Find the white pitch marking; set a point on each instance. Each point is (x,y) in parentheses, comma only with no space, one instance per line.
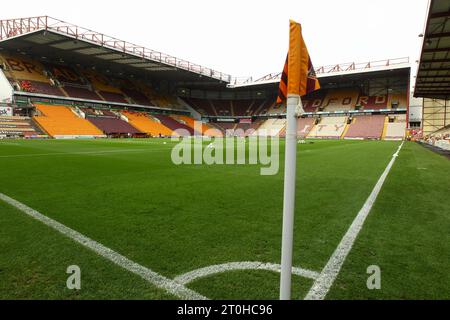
(232,266)
(329,273)
(158,280)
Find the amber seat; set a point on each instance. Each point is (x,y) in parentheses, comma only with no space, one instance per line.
(62,121)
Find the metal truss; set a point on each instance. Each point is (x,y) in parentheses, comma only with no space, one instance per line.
(18,27)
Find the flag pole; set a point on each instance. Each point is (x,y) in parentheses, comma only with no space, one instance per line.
(293,101)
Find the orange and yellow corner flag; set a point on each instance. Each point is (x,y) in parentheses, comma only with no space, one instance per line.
(298,77)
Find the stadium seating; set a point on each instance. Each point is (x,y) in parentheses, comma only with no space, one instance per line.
(313,101)
(373,102)
(271,127)
(40,87)
(191,123)
(399,98)
(137,97)
(14,126)
(112,96)
(146,123)
(222,107)
(329,128)
(60,121)
(81,93)
(396,130)
(304,126)
(28,75)
(65,75)
(203,106)
(340,100)
(263,107)
(103,87)
(174,124)
(224,126)
(247,129)
(114,126)
(366,127)
(245,107)
(273,108)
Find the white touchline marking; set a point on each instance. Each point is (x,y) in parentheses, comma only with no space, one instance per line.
(246,265)
(156,279)
(329,273)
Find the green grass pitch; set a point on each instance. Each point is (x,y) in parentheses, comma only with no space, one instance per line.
(127,195)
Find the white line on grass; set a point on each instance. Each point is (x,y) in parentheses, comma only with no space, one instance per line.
(329,273)
(156,279)
(232,266)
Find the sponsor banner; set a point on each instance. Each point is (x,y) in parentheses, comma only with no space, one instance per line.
(6,111)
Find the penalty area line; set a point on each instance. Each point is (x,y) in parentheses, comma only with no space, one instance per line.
(156,279)
(323,283)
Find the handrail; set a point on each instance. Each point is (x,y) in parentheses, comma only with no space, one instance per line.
(16,27)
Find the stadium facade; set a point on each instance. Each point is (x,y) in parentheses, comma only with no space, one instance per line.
(63,81)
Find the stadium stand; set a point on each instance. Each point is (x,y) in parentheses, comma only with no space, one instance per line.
(366,127)
(304,127)
(271,127)
(28,75)
(63,122)
(263,107)
(273,108)
(204,107)
(245,107)
(175,125)
(65,75)
(16,126)
(247,129)
(204,128)
(222,107)
(373,102)
(224,126)
(395,128)
(340,100)
(114,126)
(329,128)
(148,124)
(137,97)
(230,107)
(399,99)
(313,101)
(80,92)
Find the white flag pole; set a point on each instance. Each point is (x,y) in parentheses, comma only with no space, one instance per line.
(293,102)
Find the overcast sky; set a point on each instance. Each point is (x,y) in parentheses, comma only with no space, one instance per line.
(248,38)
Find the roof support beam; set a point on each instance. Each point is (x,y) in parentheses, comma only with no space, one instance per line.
(434,69)
(431,82)
(436,50)
(438,76)
(438,35)
(435,60)
(443,14)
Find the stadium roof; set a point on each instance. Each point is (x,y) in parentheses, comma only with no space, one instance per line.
(433,75)
(54,40)
(336,70)
(73,44)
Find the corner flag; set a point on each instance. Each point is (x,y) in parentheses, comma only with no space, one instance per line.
(298,75)
(297,80)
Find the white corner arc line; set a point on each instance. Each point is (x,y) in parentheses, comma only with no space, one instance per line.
(156,279)
(323,283)
(246,265)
